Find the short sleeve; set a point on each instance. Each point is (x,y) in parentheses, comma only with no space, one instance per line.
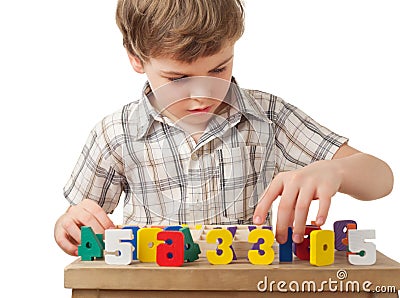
(299,139)
(98,173)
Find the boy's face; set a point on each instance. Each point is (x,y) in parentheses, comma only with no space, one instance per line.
(190,93)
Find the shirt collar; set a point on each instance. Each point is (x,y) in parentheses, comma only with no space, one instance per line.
(146,112)
(245,103)
(238,98)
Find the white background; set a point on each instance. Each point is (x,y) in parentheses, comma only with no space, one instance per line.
(63,68)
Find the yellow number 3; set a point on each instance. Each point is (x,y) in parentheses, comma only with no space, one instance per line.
(265,254)
(224,257)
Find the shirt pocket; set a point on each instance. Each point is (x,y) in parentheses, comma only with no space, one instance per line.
(240,183)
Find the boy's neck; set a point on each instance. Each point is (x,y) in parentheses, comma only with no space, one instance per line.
(196,137)
(195,131)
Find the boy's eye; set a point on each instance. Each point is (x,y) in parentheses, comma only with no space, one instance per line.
(176,79)
(218,70)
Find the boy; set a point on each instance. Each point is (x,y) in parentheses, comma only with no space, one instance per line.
(196,148)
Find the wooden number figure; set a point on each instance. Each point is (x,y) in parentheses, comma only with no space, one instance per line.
(116,251)
(340,229)
(233,230)
(286,249)
(322,248)
(226,255)
(192,249)
(133,241)
(345,241)
(147,244)
(171,252)
(264,255)
(172,228)
(363,253)
(256,246)
(302,250)
(91,246)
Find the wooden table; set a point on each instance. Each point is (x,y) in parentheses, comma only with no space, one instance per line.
(238,279)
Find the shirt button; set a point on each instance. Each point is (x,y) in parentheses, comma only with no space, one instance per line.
(194,157)
(199,206)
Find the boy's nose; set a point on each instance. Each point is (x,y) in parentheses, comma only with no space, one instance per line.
(200,90)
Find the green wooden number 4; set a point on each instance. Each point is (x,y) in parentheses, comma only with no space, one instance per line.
(91,246)
(192,249)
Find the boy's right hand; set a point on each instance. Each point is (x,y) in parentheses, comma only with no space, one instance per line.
(67,230)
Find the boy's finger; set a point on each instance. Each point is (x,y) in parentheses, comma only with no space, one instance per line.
(301,213)
(72,229)
(285,213)
(65,243)
(264,205)
(98,212)
(82,217)
(324,205)
(291,220)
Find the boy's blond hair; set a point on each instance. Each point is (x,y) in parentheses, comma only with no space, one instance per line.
(183,30)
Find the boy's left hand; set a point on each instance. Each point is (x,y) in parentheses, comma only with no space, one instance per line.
(319,180)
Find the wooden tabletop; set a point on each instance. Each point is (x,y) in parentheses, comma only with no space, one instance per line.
(240,275)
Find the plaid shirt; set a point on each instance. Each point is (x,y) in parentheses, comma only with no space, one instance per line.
(169,179)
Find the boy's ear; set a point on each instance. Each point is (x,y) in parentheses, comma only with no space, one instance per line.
(136,63)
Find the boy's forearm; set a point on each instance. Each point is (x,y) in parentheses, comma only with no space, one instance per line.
(364,176)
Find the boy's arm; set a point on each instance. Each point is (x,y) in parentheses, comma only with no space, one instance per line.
(352,172)
(364,176)
(67,228)
(97,177)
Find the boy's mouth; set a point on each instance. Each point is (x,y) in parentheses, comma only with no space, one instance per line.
(200,110)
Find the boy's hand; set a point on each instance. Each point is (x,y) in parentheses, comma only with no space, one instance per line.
(319,180)
(67,231)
